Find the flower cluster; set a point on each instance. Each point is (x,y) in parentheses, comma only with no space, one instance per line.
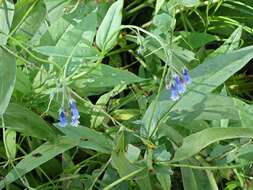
(63,121)
(178,86)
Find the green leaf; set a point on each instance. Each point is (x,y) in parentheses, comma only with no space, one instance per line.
(37,157)
(25,121)
(23,84)
(161,153)
(71,38)
(215,107)
(32,22)
(82,51)
(62,24)
(144,182)
(163,22)
(196,142)
(110,176)
(244,152)
(10,143)
(158,5)
(90,139)
(119,159)
(164,180)
(194,179)
(189,3)
(76,42)
(98,119)
(55,9)
(7,78)
(82,29)
(124,167)
(6,16)
(133,153)
(196,40)
(103,77)
(107,32)
(230,44)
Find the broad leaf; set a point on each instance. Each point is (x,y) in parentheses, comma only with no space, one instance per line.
(158,5)
(89,138)
(102,77)
(108,30)
(124,167)
(55,9)
(230,44)
(98,118)
(28,27)
(7,78)
(194,179)
(6,16)
(196,40)
(36,158)
(10,143)
(25,121)
(189,3)
(196,142)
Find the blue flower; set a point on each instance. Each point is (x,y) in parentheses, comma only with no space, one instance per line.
(186,77)
(75,122)
(179,84)
(74,113)
(62,118)
(174,93)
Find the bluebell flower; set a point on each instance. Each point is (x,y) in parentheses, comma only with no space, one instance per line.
(186,77)
(179,84)
(74,113)
(75,122)
(62,118)
(174,92)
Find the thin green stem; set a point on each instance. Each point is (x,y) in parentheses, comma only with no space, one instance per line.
(24,17)
(17,56)
(206,167)
(34,56)
(137,8)
(123,179)
(100,172)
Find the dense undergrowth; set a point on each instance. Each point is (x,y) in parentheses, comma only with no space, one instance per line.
(134,94)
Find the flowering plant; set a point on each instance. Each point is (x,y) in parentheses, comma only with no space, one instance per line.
(104,94)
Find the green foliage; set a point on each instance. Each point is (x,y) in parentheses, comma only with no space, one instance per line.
(109,28)
(7,78)
(87,98)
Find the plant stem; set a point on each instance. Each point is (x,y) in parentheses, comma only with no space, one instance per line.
(123,178)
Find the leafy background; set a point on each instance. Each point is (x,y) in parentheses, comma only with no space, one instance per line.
(112,57)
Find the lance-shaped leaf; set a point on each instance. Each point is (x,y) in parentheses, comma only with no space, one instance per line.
(6,17)
(107,32)
(197,141)
(7,78)
(43,153)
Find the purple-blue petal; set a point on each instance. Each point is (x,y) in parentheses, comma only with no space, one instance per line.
(75,122)
(62,118)
(74,113)
(186,77)
(179,84)
(174,93)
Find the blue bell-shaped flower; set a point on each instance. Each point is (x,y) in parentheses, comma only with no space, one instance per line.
(186,77)
(62,118)
(74,113)
(179,84)
(174,93)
